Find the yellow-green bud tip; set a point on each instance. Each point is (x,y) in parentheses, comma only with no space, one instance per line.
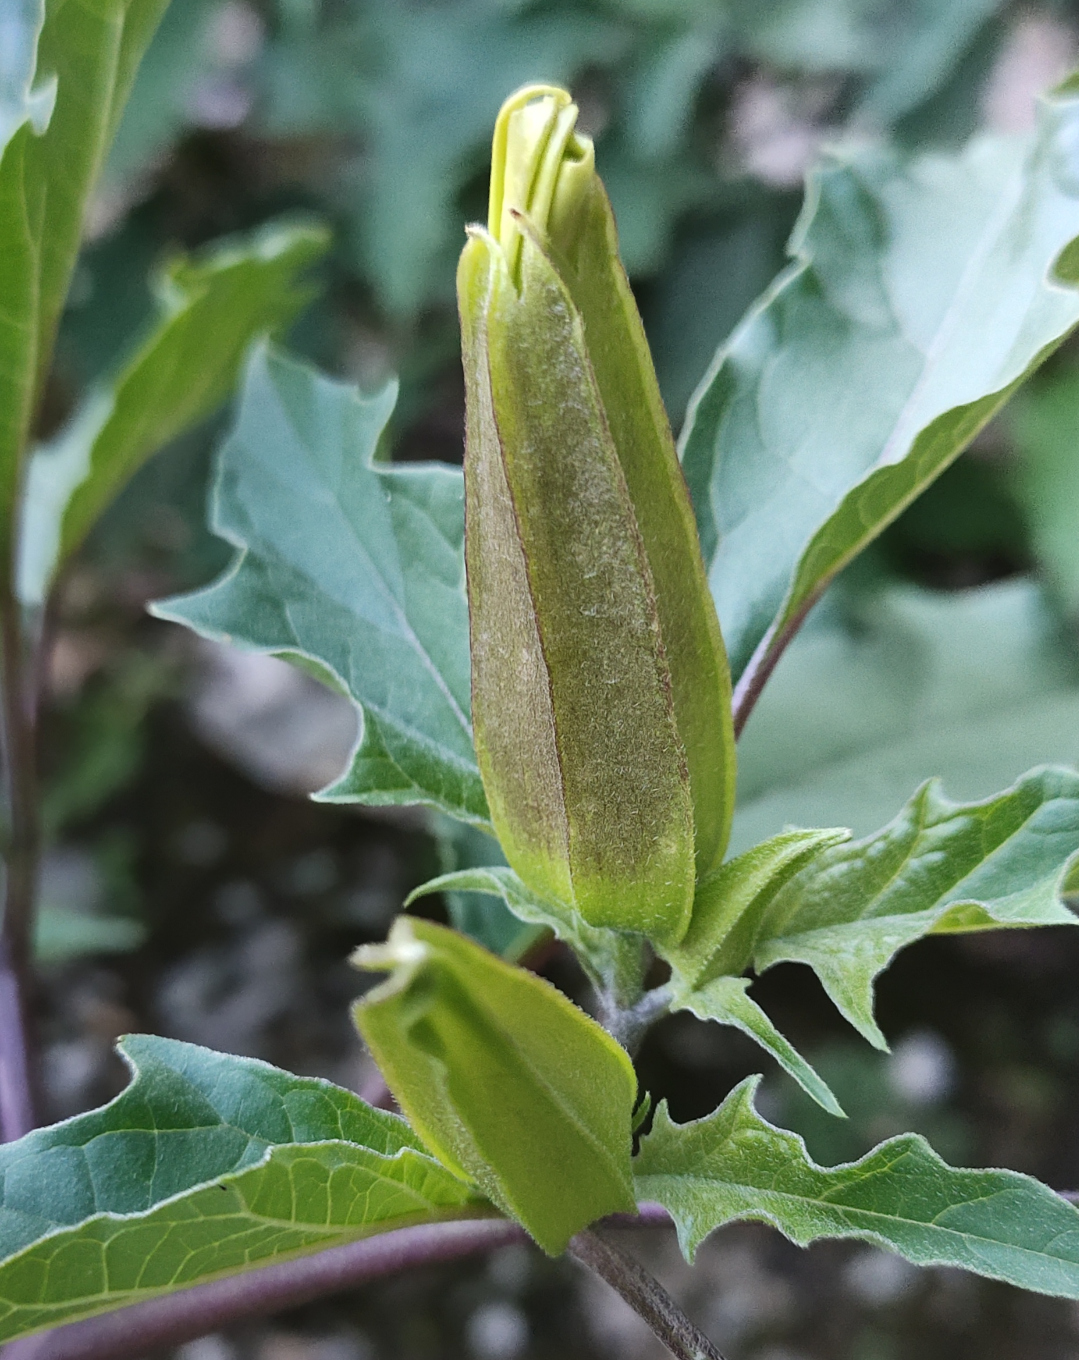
(541,168)
(401,950)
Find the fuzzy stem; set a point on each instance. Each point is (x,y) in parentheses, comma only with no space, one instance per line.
(22,853)
(644,1294)
(630,1025)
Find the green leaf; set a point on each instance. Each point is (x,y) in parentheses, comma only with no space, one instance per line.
(212,306)
(923,292)
(726,1000)
(731,900)
(727,910)
(940,867)
(50,154)
(613,958)
(1045,422)
(477,914)
(503,1077)
(177,62)
(733,1165)
(884,690)
(353,568)
(205,1164)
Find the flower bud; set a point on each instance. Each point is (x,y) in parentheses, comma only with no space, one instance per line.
(600,688)
(508,1083)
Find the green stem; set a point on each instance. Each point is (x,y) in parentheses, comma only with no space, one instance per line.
(644,1294)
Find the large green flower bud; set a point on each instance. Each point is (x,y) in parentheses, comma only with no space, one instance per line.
(600,688)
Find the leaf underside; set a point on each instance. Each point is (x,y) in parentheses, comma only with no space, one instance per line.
(354,567)
(923,292)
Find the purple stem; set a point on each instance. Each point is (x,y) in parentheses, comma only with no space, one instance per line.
(172,1319)
(16,1101)
(763,662)
(644,1294)
(21,854)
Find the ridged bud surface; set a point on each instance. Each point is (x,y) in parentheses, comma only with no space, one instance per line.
(600,690)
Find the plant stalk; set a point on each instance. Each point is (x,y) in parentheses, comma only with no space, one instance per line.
(764,661)
(629,1025)
(22,855)
(172,1319)
(644,1294)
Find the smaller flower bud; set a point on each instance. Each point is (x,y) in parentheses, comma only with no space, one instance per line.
(508,1083)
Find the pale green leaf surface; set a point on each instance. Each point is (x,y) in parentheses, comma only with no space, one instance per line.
(734,1165)
(1045,423)
(205,1164)
(726,1000)
(880,692)
(937,867)
(212,307)
(20,100)
(354,567)
(922,293)
(88,52)
(611,956)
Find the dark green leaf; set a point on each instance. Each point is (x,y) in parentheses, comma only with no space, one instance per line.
(354,568)
(939,867)
(206,1164)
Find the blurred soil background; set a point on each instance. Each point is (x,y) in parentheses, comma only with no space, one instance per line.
(191,887)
